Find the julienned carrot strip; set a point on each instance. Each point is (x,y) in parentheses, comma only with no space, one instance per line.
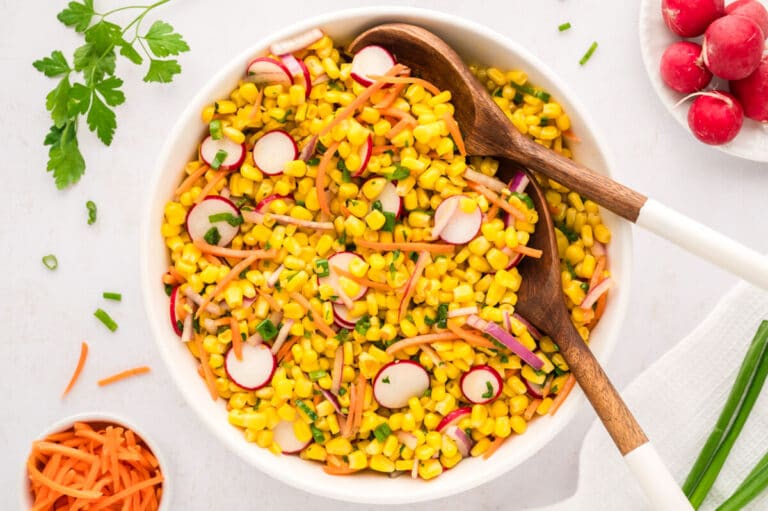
(453,129)
(127,492)
(134,371)
(528,251)
(229,277)
(270,299)
(286,348)
(599,309)
(78,369)
(317,316)
(497,442)
(322,170)
(492,212)
(361,99)
(207,371)
(391,96)
(434,248)
(54,448)
(221,174)
(346,430)
(597,273)
(191,179)
(237,341)
(362,280)
(363,387)
(410,288)
(176,275)
(528,414)
(397,113)
(212,259)
(389,78)
(420,339)
(229,252)
(36,476)
(470,337)
(400,126)
(378,149)
(339,471)
(570,382)
(493,198)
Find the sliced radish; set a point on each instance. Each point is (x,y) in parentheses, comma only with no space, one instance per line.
(342,317)
(267,71)
(174,299)
(261,206)
(534,389)
(299,72)
(272,151)
(462,227)
(254,370)
(235,153)
(371,61)
(390,201)
(463,442)
(453,418)
(296,43)
(399,381)
(341,260)
(198,221)
(481,384)
(365,156)
(285,437)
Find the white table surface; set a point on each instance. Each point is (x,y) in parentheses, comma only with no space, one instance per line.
(46,314)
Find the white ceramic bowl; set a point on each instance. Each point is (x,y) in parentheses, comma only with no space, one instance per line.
(478,44)
(98,417)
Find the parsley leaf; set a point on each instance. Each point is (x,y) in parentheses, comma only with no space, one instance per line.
(54,65)
(101,120)
(162,71)
(163,41)
(64,157)
(77,15)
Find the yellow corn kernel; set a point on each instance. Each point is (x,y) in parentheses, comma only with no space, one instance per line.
(518,424)
(480,447)
(531,375)
(302,431)
(381,463)
(602,234)
(358,460)
(339,446)
(563,122)
(518,404)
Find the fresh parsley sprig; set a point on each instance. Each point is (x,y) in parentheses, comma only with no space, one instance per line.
(88,87)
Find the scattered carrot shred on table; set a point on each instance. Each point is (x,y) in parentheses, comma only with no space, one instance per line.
(94,467)
(78,369)
(123,375)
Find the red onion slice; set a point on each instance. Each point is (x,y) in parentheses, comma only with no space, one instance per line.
(507,339)
(282,335)
(595,293)
(531,329)
(464,311)
(296,43)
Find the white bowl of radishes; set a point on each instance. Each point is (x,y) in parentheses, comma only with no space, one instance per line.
(708,61)
(478,44)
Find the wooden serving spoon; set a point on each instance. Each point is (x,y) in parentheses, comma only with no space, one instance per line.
(488,132)
(541,301)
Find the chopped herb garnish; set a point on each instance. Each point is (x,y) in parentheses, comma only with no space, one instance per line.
(342,391)
(488,391)
(385,379)
(428,392)
(377,205)
(382,432)
(527,89)
(306,409)
(569,234)
(221,155)
(214,127)
(196,325)
(231,219)
(503,358)
(267,330)
(317,435)
(51,262)
(346,177)
(363,324)
(584,286)
(284,118)
(518,98)
(313,162)
(91,206)
(389,222)
(413,256)
(212,237)
(179,325)
(429,320)
(498,92)
(569,267)
(168,289)
(112,296)
(468,431)
(106,319)
(301,203)
(342,335)
(335,85)
(400,172)
(316,375)
(442,315)
(565,26)
(589,53)
(243,274)
(321,267)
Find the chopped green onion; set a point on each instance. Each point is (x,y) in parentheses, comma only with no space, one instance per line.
(214,127)
(313,162)
(525,198)
(385,379)
(589,53)
(168,289)
(564,27)
(317,434)
(442,315)
(221,155)
(488,391)
(527,89)
(112,296)
(377,205)
(106,319)
(342,336)
(363,324)
(91,206)
(50,262)
(267,330)
(231,219)
(316,375)
(342,391)
(212,237)
(382,432)
(568,233)
(346,177)
(389,222)
(306,409)
(322,266)
(400,172)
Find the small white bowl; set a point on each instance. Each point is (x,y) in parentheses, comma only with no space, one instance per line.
(752,141)
(476,43)
(66,423)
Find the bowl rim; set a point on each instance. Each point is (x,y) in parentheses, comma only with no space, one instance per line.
(69,421)
(148,230)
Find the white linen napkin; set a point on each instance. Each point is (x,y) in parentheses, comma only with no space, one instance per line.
(677,401)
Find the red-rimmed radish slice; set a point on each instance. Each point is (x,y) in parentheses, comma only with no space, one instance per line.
(198,221)
(372,60)
(235,153)
(399,381)
(267,71)
(285,437)
(453,418)
(296,43)
(254,370)
(272,151)
(365,156)
(174,303)
(261,206)
(341,260)
(462,227)
(514,258)
(463,442)
(299,72)
(390,201)
(481,384)
(534,389)
(342,317)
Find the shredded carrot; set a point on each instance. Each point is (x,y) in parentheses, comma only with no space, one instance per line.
(570,382)
(346,430)
(206,369)
(176,275)
(322,170)
(531,410)
(492,212)
(285,349)
(123,375)
(237,341)
(453,129)
(497,442)
(410,288)
(270,299)
(389,78)
(36,476)
(362,98)
(420,339)
(597,273)
(191,179)
(229,277)
(396,113)
(51,447)
(599,309)
(400,126)
(379,149)
(362,388)
(256,105)
(169,279)
(570,135)
(317,316)
(212,259)
(221,174)
(78,369)
(547,386)
(206,248)
(435,248)
(362,280)
(493,198)
(432,354)
(528,251)
(339,471)
(391,96)
(470,337)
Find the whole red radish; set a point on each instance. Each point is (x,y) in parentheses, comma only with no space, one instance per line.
(681,68)
(751,9)
(690,18)
(733,46)
(752,92)
(715,117)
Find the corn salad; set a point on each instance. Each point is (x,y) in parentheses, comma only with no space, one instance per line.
(340,423)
